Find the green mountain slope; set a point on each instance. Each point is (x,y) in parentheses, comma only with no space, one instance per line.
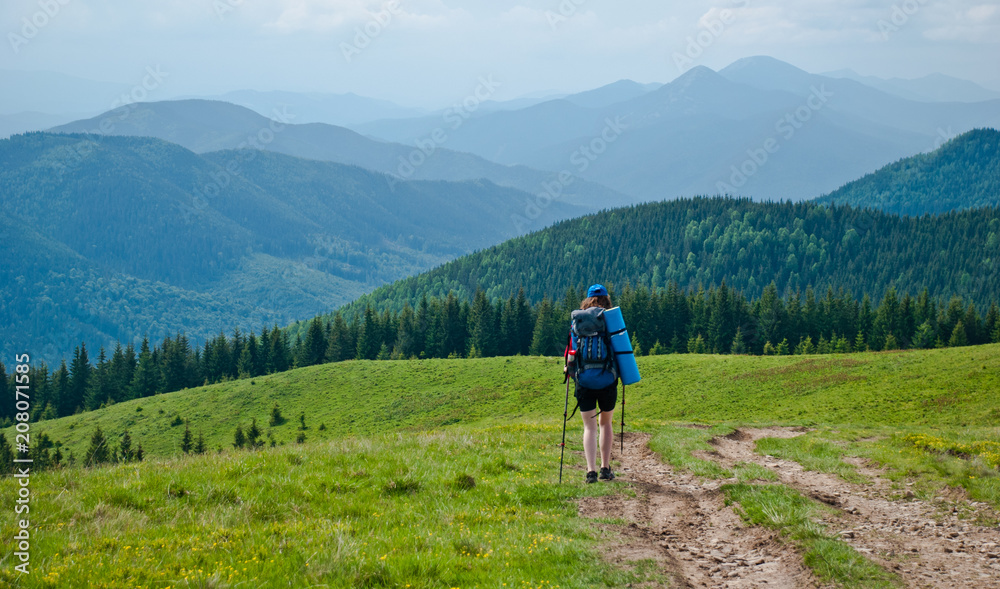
(369,397)
(136,235)
(963,173)
(748,245)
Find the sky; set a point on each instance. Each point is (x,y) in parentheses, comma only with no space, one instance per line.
(431,53)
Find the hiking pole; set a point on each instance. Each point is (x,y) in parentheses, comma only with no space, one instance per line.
(562,451)
(623,421)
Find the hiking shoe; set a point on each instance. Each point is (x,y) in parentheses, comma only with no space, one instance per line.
(592,477)
(606,474)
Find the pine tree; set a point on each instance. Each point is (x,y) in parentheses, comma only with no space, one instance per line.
(244,366)
(925,336)
(783,348)
(199,446)
(98,452)
(890,342)
(7,397)
(482,330)
(98,387)
(239,439)
(187,440)
(738,346)
(145,380)
(369,341)
(253,435)
(125,451)
(339,347)
(859,342)
(280,357)
(276,417)
(542,341)
(6,456)
(314,347)
(302,421)
(636,346)
(79,380)
(958,336)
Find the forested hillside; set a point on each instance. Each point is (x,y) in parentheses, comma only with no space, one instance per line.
(110,238)
(963,173)
(705,241)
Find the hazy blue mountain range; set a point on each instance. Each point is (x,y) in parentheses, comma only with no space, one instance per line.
(112,237)
(202,126)
(759,127)
(22,122)
(929,88)
(318,107)
(963,173)
(410,130)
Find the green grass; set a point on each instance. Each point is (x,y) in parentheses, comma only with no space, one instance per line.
(781,508)
(675,445)
(958,387)
(923,472)
(813,454)
(748,471)
(455,509)
(434,463)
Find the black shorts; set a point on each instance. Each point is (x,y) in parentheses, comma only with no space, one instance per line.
(590,399)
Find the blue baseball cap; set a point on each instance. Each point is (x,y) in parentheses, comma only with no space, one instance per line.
(597,290)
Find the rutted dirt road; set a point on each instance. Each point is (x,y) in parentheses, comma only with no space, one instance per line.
(681,522)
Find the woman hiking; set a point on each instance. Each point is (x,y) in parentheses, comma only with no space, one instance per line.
(590,362)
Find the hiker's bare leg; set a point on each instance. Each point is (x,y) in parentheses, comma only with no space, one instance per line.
(607,437)
(590,439)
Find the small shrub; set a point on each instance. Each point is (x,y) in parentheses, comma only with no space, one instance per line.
(402,487)
(465,482)
(276,417)
(176,421)
(239,438)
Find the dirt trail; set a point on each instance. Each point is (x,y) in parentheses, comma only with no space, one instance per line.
(681,522)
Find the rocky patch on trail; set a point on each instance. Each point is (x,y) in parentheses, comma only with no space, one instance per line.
(681,522)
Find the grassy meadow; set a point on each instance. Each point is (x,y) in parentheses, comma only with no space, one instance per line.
(442,473)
